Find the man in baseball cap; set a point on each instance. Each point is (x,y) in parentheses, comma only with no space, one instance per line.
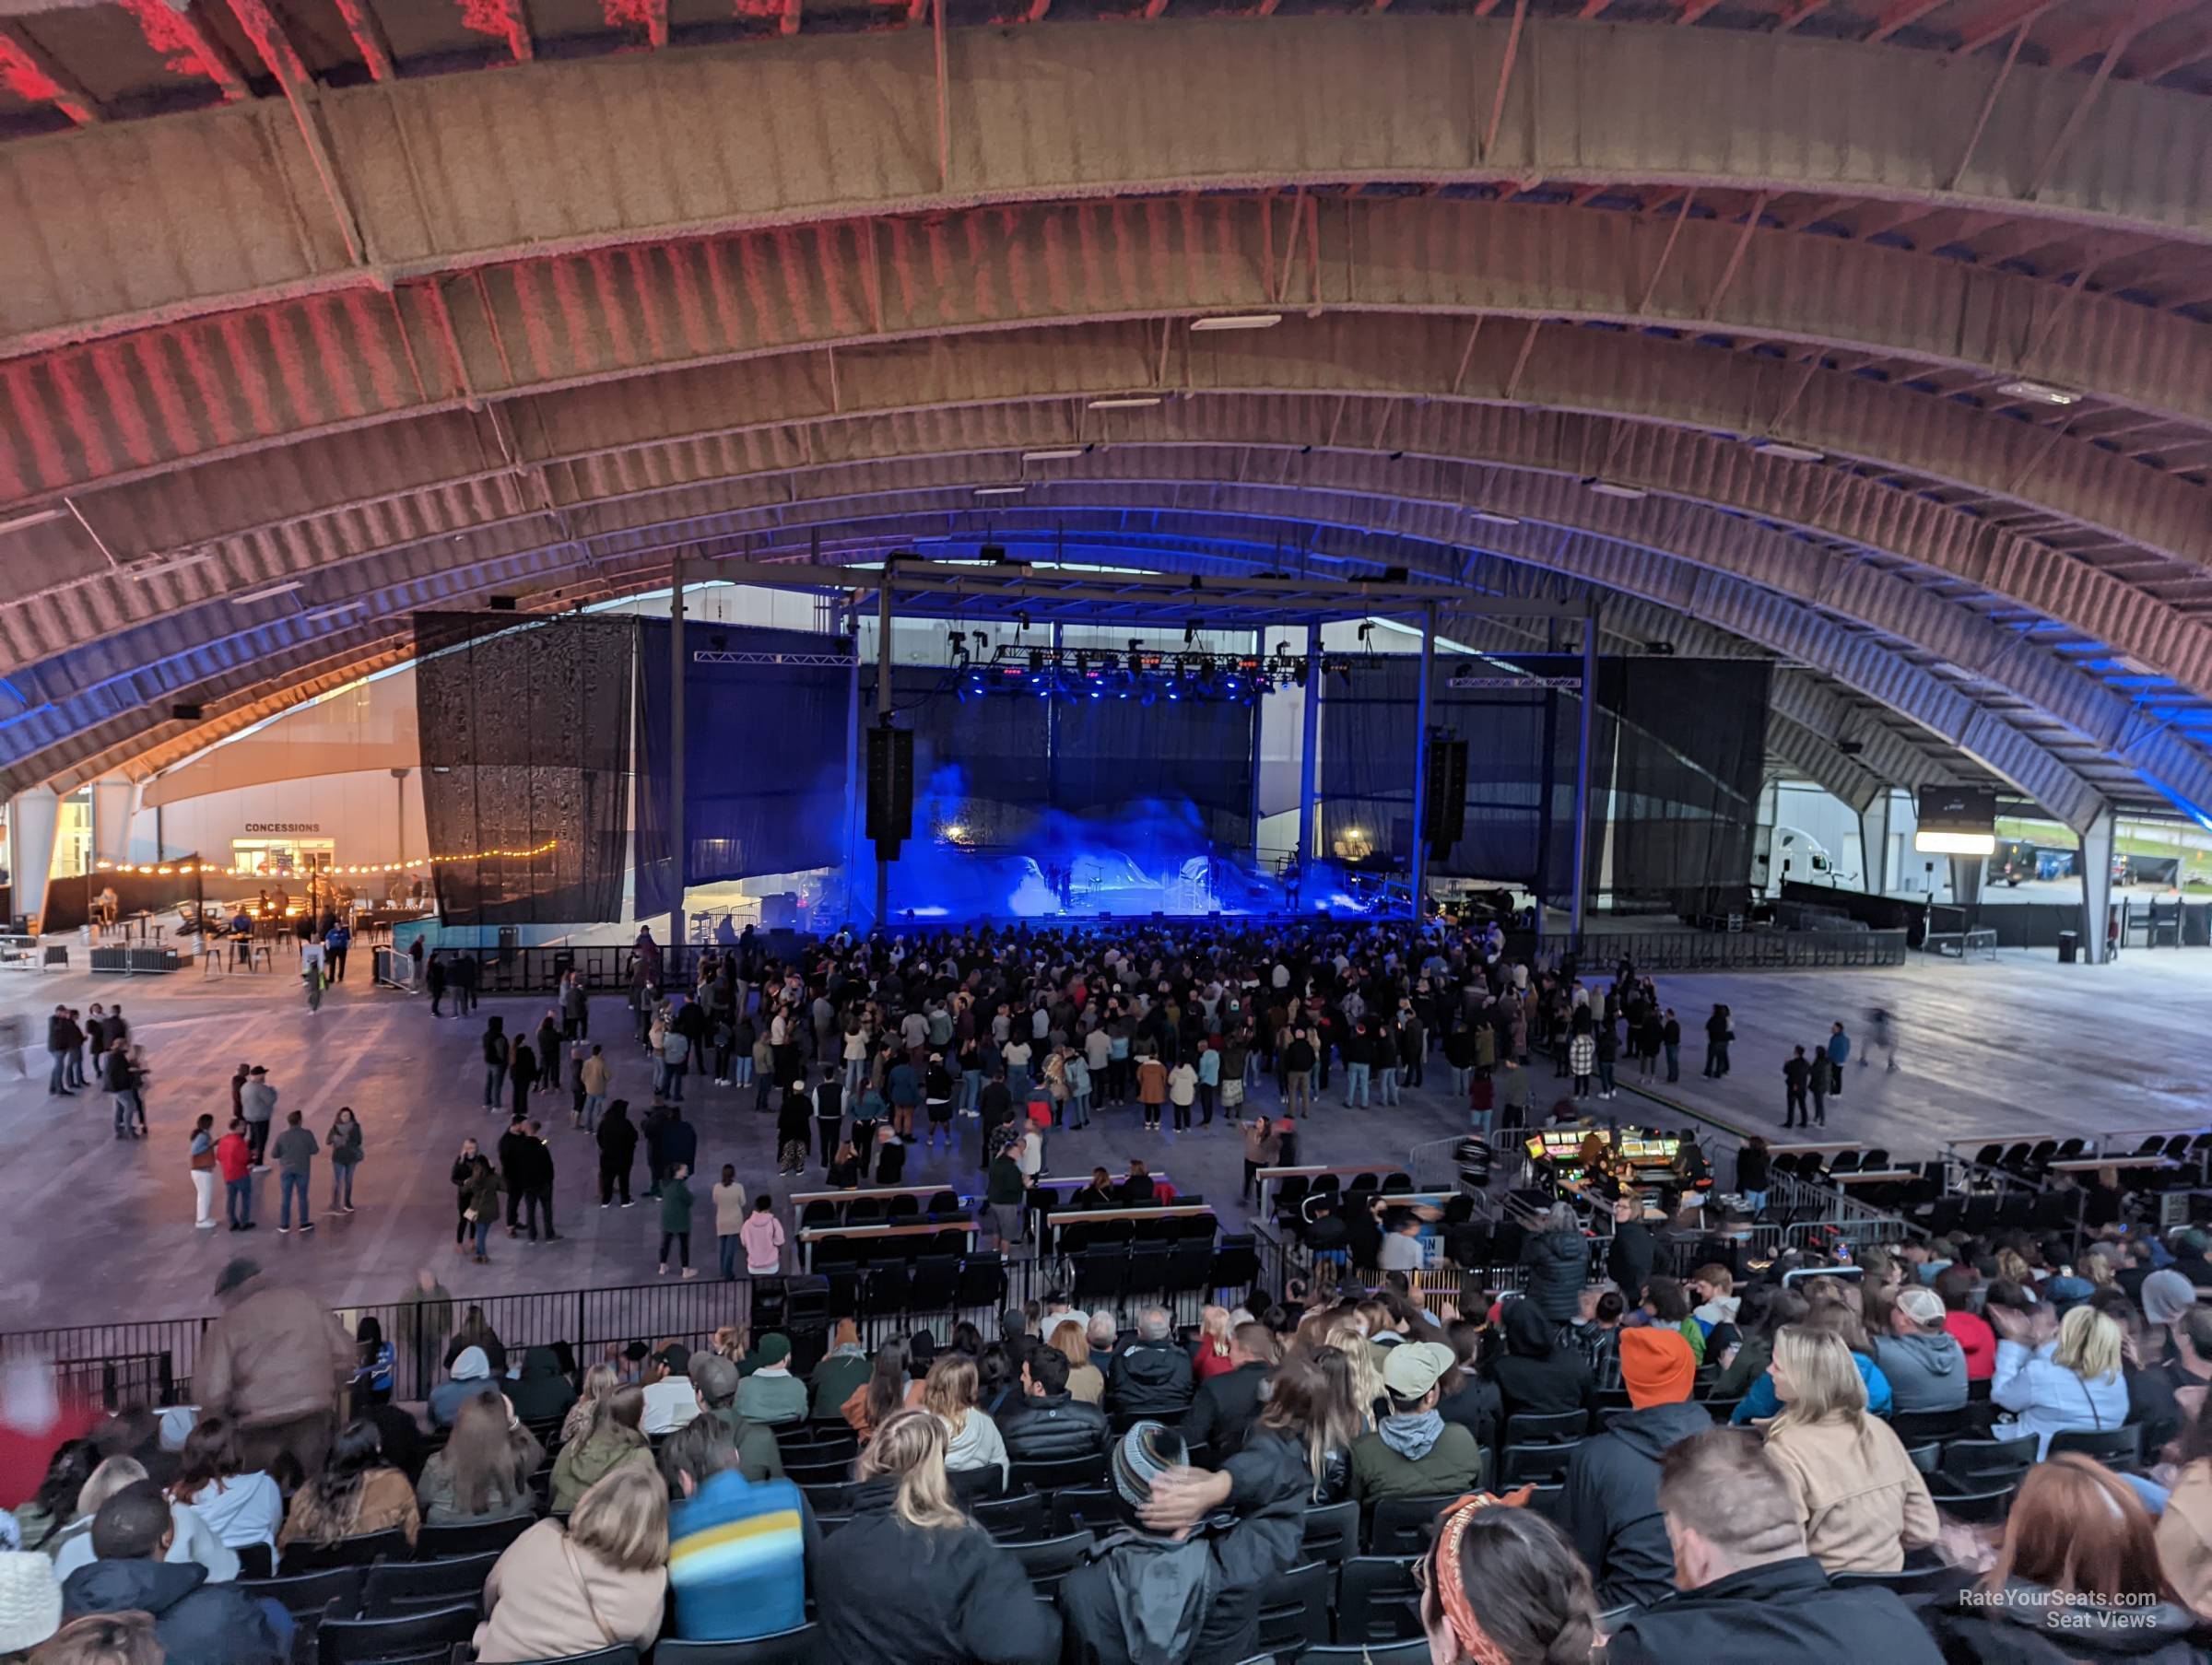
(1925,1365)
(1414,1452)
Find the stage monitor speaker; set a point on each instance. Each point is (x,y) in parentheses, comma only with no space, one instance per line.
(1444,803)
(890,789)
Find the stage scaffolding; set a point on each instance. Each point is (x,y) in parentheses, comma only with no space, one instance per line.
(1048,594)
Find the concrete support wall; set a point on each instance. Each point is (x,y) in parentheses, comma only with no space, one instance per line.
(2096,885)
(32,819)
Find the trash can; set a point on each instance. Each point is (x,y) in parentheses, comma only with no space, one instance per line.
(2069,944)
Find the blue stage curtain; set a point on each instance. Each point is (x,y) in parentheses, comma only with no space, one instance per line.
(766,740)
(525,732)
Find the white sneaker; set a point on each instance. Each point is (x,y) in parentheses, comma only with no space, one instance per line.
(204,1225)
(690,1271)
(661,1271)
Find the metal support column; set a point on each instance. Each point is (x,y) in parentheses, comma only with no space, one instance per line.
(1308,756)
(1420,759)
(2096,885)
(678,843)
(1581,780)
(883,720)
(855,740)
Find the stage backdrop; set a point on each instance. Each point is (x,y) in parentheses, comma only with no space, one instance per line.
(1679,742)
(525,726)
(1020,756)
(765,742)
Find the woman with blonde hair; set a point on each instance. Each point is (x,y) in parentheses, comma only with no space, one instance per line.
(972,1444)
(2057,1376)
(1086,1381)
(599,1381)
(599,1582)
(119,1638)
(190,1541)
(1211,1356)
(911,1580)
(1862,1501)
(1347,1336)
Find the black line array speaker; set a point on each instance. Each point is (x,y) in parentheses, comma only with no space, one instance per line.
(890,817)
(1444,801)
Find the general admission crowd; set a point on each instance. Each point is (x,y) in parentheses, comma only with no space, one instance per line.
(1740,1483)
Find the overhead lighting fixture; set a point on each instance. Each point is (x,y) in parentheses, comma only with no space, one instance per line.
(1490,519)
(2038,393)
(175,563)
(267,593)
(1955,843)
(1608,488)
(1132,402)
(1059,455)
(1239,320)
(1788,452)
(37,517)
(333,612)
(1000,491)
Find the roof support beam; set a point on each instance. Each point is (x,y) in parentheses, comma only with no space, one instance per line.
(182,38)
(368,37)
(33,76)
(283,62)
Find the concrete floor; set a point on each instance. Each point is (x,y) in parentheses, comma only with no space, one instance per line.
(102,1230)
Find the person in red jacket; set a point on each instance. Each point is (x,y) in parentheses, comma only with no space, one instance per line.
(1967,1327)
(234,1159)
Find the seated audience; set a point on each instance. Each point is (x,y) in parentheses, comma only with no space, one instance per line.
(599,1381)
(1470,1397)
(1977,1342)
(1150,1376)
(2186,1523)
(842,1368)
(612,1441)
(738,1550)
(1536,1375)
(1610,1506)
(1228,1402)
(771,1394)
(888,1389)
(1859,1498)
(190,1538)
(483,1471)
(670,1400)
(1176,1584)
(1746,1591)
(356,1492)
(1501,1586)
(541,1394)
(973,1447)
(1210,1352)
(1765,1310)
(1667,1304)
(1823,1317)
(239,1507)
(2078,1582)
(124,1638)
(467,1376)
(1414,1452)
(1085,1380)
(717,1381)
(1922,1361)
(1103,1333)
(196,1623)
(598,1582)
(2057,1376)
(2152,1391)
(1049,1424)
(911,1580)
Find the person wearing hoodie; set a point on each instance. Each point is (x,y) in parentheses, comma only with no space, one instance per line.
(612,1441)
(541,1394)
(1152,1376)
(715,1380)
(191,1538)
(1413,1452)
(469,1376)
(1166,1589)
(1610,1506)
(844,1367)
(1536,1375)
(1862,1501)
(1925,1365)
(975,1453)
(1746,1591)
(2078,1582)
(911,1580)
(196,1622)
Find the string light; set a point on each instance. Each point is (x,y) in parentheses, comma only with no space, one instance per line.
(373,867)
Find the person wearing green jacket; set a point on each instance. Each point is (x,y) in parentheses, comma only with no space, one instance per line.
(344,1146)
(675,1219)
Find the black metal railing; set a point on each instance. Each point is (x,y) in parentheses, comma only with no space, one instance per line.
(1741,950)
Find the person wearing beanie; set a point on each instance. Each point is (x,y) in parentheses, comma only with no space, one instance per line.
(771,1394)
(1149,1595)
(1925,1365)
(2166,1295)
(30,1601)
(1414,1452)
(1610,1506)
